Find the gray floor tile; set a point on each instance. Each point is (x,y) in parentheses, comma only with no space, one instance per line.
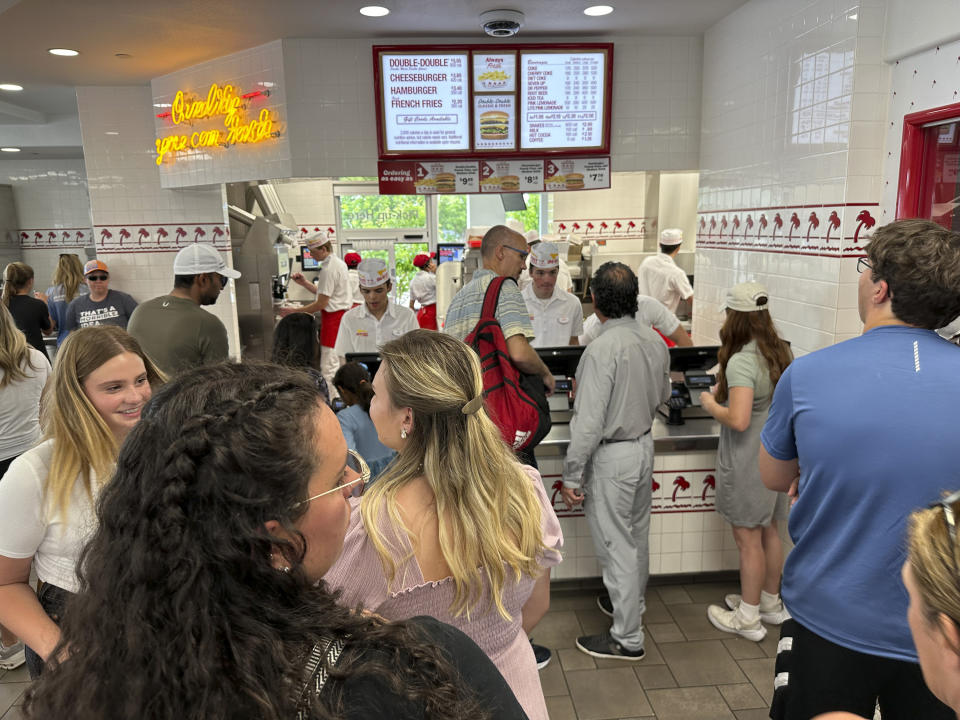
(704,662)
(579,600)
(694,703)
(742,696)
(552,680)
(692,620)
(758,714)
(607,693)
(561,708)
(769,643)
(656,611)
(558,629)
(743,649)
(14,713)
(665,632)
(711,592)
(593,622)
(10,692)
(760,673)
(672,594)
(573,659)
(21,674)
(654,677)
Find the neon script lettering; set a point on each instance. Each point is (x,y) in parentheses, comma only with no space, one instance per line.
(220,101)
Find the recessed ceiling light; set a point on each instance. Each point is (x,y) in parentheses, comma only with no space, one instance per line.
(162,105)
(63,52)
(111,132)
(266,84)
(10,87)
(123,56)
(598,10)
(10,149)
(374,11)
(852,16)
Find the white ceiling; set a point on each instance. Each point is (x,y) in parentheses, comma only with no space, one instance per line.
(162,36)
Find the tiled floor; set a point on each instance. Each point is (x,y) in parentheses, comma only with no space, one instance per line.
(691,672)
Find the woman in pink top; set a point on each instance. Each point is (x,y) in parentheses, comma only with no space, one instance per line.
(455,527)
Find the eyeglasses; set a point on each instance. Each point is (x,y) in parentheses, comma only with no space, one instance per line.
(863,264)
(223,280)
(351,488)
(523,253)
(946,504)
(97,278)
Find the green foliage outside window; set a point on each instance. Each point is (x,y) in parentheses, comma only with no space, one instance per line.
(531,216)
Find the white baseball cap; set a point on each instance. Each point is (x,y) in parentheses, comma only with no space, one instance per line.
(373,272)
(747,297)
(671,237)
(545,255)
(202,258)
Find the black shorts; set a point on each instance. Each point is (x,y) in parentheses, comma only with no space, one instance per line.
(814,676)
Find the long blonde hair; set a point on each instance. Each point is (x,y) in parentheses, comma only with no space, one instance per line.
(82,442)
(489,517)
(933,558)
(69,273)
(14,351)
(16,275)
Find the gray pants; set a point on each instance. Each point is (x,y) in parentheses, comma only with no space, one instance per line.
(618,482)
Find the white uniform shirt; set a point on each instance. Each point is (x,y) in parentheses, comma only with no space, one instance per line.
(362,332)
(20,407)
(556,319)
(650,313)
(32,528)
(564,281)
(334,282)
(660,278)
(355,284)
(423,288)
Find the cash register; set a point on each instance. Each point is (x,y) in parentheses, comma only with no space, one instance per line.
(689,376)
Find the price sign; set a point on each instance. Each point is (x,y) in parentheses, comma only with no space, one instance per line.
(577,174)
(428,178)
(506,176)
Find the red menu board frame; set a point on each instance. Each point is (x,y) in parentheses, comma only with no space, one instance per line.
(517,50)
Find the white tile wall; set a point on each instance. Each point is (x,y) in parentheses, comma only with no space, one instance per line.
(48,194)
(794,98)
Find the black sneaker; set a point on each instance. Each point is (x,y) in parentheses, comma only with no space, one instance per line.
(604,646)
(605,605)
(542,655)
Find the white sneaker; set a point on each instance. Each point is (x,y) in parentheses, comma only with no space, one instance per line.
(729,621)
(775,616)
(12,656)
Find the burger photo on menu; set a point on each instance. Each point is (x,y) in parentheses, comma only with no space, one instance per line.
(574,181)
(491,184)
(510,183)
(494,125)
(427,185)
(446,182)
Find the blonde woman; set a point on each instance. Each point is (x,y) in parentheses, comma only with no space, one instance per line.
(454,528)
(29,312)
(68,283)
(23,373)
(100,384)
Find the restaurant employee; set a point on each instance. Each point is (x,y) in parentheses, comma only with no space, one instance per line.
(556,315)
(366,327)
(660,278)
(423,289)
(334,298)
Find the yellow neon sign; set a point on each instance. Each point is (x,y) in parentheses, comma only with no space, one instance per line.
(219,101)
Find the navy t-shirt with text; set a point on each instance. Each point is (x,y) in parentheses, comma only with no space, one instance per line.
(115,309)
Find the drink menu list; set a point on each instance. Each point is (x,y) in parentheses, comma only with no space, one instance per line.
(479,101)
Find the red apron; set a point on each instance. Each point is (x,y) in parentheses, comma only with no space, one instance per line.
(670,343)
(427,317)
(329,327)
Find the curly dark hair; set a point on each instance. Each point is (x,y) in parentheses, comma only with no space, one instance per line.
(615,290)
(920,262)
(296,341)
(181,613)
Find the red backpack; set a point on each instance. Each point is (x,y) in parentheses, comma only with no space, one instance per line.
(516,403)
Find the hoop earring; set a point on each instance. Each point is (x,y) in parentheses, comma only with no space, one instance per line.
(403,434)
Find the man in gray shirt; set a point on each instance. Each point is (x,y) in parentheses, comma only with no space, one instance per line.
(102,306)
(622,376)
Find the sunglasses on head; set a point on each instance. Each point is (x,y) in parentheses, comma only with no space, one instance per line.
(97,278)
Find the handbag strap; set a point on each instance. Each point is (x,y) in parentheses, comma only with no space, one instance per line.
(323,656)
(491,298)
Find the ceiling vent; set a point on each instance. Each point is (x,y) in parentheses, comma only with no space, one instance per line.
(501,23)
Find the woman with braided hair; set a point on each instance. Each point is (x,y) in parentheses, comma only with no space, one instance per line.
(100,383)
(454,527)
(200,589)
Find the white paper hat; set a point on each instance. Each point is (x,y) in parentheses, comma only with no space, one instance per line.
(671,236)
(514,225)
(545,255)
(202,258)
(532,236)
(318,239)
(373,272)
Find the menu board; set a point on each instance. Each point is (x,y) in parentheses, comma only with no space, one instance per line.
(563,100)
(504,176)
(425,102)
(428,178)
(474,101)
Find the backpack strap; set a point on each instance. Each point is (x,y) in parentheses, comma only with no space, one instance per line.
(491,298)
(323,655)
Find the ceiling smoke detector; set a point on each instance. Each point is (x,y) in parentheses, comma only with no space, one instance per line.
(501,23)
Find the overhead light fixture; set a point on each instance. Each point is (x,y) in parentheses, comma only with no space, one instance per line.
(63,52)
(852,16)
(10,149)
(111,132)
(10,87)
(374,11)
(598,10)
(123,56)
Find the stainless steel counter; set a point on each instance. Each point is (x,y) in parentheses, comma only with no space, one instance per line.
(695,434)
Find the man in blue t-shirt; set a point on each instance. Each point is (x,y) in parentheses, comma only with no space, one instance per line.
(868,428)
